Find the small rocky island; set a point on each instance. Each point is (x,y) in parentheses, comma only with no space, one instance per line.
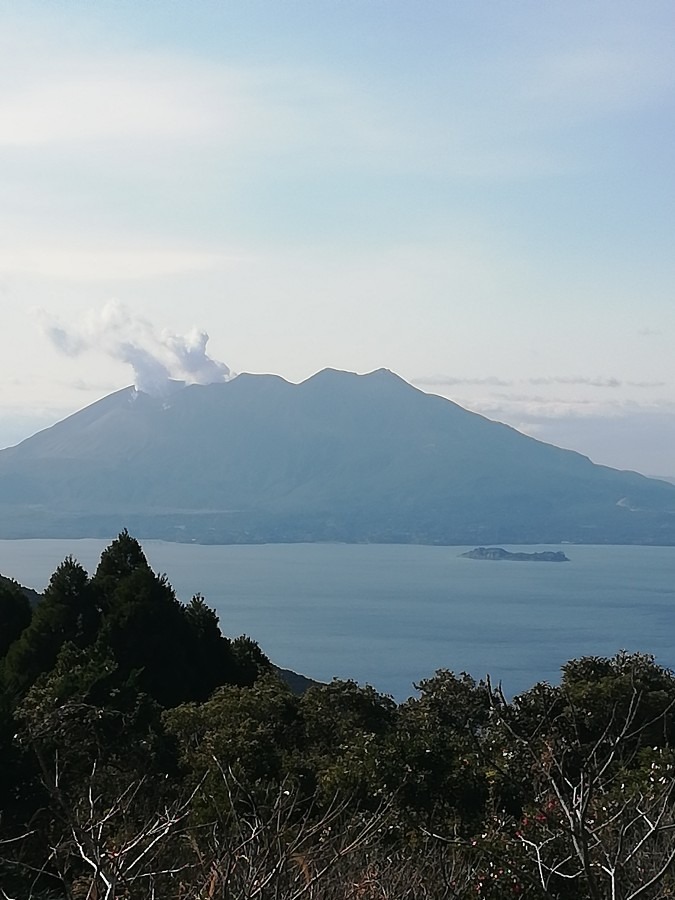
(500,553)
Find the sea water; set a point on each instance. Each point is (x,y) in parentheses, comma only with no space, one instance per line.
(391,615)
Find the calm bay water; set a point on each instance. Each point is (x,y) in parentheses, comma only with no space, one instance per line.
(390,614)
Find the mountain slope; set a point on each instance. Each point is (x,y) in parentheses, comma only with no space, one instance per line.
(338,457)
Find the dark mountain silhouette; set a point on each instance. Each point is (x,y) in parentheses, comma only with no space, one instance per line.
(339,457)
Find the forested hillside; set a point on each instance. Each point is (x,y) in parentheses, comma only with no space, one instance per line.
(145,755)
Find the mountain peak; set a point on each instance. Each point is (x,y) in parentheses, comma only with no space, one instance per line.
(336,377)
(340,456)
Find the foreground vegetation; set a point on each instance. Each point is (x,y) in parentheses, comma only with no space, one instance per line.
(143,755)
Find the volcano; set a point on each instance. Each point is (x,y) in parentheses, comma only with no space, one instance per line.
(339,457)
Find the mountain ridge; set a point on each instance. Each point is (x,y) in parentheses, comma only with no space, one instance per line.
(339,456)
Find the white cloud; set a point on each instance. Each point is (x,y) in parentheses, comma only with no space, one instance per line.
(452,381)
(81,263)
(105,109)
(519,408)
(561,399)
(599,382)
(181,103)
(544,381)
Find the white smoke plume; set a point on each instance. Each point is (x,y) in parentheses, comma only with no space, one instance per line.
(156,357)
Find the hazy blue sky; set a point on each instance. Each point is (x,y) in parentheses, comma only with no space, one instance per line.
(479,196)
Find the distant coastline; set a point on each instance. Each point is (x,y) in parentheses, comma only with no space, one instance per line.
(498,553)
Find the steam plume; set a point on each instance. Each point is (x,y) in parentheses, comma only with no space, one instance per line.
(156,357)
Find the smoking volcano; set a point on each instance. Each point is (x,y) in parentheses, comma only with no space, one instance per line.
(339,457)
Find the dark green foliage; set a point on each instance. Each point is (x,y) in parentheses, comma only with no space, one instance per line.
(246,737)
(602,693)
(15,614)
(439,746)
(626,702)
(172,652)
(84,683)
(249,660)
(334,713)
(20,792)
(67,612)
(176,653)
(215,660)
(145,627)
(75,720)
(347,727)
(122,558)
